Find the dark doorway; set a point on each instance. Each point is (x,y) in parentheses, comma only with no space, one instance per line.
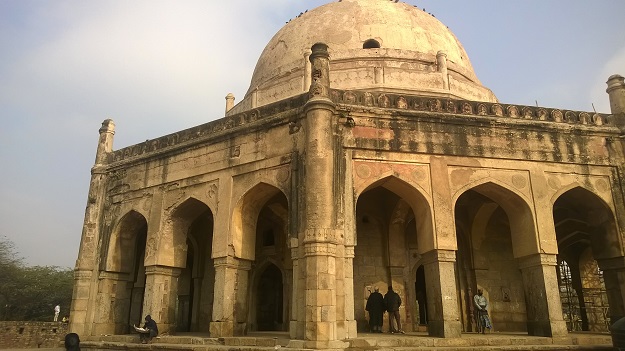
(422,301)
(269,300)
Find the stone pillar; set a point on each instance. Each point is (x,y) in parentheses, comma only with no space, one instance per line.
(319,227)
(229,102)
(230,300)
(307,70)
(255,98)
(542,295)
(614,278)
(106,322)
(347,324)
(296,324)
(86,271)
(80,301)
(441,62)
(443,313)
(616,91)
(378,75)
(161,294)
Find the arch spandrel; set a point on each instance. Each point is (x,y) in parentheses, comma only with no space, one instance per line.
(464,178)
(560,183)
(245,215)
(420,204)
(367,173)
(519,210)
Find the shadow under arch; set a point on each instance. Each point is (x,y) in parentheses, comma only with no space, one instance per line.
(121,252)
(180,219)
(124,265)
(495,227)
(187,242)
(266,295)
(522,224)
(419,203)
(599,227)
(394,224)
(588,244)
(245,216)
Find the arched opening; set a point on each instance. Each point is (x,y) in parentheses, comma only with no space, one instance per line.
(371,44)
(263,219)
(391,231)
(493,228)
(584,230)
(269,304)
(192,223)
(126,271)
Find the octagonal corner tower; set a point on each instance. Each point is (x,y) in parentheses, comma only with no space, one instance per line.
(374,45)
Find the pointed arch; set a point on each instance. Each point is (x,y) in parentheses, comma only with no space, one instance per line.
(418,202)
(122,245)
(245,218)
(177,229)
(516,206)
(583,217)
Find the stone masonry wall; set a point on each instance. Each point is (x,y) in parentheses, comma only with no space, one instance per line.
(32,334)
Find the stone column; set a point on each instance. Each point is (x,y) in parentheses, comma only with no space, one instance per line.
(319,206)
(296,324)
(307,70)
(111,298)
(229,102)
(347,323)
(614,278)
(161,294)
(441,62)
(86,271)
(542,295)
(443,313)
(80,302)
(231,275)
(616,92)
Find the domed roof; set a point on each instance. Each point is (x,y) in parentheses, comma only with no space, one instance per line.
(390,34)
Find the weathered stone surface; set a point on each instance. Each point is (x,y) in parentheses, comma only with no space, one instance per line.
(368,171)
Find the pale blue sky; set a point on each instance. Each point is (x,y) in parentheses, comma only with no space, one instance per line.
(156,67)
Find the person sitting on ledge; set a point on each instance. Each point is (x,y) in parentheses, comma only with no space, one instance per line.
(150,330)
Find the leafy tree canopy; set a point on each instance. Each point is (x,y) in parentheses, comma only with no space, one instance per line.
(29,293)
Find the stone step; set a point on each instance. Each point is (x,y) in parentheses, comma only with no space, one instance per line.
(378,342)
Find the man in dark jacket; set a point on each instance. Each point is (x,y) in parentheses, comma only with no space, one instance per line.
(392,302)
(151,330)
(375,306)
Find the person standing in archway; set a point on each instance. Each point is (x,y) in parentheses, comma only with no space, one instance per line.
(392,302)
(481,309)
(375,307)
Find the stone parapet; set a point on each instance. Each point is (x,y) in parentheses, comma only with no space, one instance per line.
(17,334)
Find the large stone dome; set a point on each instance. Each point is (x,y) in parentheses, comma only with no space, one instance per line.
(374,45)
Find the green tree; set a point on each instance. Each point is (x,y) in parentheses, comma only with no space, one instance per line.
(30,293)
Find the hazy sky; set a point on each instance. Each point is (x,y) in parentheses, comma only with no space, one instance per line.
(156,67)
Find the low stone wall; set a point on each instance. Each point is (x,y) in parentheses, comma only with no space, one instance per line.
(32,334)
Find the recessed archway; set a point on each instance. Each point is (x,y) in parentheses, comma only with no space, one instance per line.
(494,227)
(261,236)
(192,226)
(586,232)
(125,261)
(393,226)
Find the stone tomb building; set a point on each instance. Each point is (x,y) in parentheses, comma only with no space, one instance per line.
(365,153)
